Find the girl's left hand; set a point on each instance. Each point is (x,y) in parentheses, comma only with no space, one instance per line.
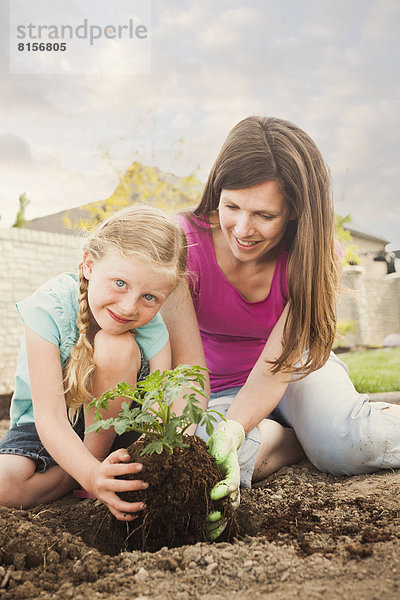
(104,485)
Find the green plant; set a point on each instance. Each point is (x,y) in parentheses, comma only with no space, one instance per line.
(351,256)
(343,328)
(340,231)
(20,219)
(351,253)
(151,412)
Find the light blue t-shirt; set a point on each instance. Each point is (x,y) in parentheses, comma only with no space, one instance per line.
(52,312)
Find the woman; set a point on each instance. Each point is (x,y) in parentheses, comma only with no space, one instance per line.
(263,285)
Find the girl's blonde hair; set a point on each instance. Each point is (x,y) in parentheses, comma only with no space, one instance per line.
(141,232)
(261,149)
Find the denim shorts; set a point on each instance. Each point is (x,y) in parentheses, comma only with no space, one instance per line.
(24,439)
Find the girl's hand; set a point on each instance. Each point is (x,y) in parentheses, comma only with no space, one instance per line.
(104,485)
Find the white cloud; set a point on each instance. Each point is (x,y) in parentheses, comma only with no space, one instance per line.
(329,66)
(382,22)
(14,150)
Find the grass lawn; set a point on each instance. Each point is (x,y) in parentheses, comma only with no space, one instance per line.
(374,370)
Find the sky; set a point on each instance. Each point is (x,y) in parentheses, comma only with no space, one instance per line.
(330,66)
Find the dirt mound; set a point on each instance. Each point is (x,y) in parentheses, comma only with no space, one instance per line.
(177,513)
(303,534)
(169,520)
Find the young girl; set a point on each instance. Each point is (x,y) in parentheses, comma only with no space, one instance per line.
(83,335)
(266,275)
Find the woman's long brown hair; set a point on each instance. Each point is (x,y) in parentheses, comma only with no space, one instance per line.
(260,149)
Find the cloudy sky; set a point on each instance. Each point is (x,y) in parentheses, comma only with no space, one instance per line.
(331,66)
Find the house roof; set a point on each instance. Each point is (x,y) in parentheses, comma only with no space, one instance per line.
(364,233)
(56,221)
(61,221)
(139,184)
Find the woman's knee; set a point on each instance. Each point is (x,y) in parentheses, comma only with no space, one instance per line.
(116,353)
(348,458)
(351,446)
(340,430)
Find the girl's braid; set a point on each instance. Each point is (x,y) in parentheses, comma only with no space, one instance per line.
(81,364)
(83,317)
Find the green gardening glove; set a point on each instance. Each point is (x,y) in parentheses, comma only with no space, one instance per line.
(216,524)
(223,445)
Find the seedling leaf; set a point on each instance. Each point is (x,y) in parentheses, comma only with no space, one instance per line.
(147,408)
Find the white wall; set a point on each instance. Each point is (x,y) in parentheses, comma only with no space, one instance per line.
(27,259)
(373,303)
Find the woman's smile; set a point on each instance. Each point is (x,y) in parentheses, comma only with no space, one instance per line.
(246,244)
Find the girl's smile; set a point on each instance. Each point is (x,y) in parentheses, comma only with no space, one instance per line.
(117,317)
(124,293)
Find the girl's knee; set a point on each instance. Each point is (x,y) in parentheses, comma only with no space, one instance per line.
(116,352)
(15,470)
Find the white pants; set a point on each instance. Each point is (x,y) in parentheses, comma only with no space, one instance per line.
(340,431)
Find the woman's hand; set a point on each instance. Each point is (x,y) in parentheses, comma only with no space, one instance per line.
(216,524)
(104,485)
(223,445)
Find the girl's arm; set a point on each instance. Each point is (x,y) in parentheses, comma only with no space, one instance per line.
(263,389)
(61,441)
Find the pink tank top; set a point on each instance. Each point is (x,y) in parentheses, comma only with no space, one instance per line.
(233,330)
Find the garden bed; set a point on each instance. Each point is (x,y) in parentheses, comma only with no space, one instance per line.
(303,534)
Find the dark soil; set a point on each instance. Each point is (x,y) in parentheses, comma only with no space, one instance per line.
(303,534)
(177,499)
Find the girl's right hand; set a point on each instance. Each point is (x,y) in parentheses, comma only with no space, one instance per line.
(104,485)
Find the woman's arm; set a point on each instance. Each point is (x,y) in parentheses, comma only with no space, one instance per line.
(186,345)
(61,441)
(180,319)
(162,360)
(263,389)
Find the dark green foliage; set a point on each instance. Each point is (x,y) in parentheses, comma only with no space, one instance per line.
(152,414)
